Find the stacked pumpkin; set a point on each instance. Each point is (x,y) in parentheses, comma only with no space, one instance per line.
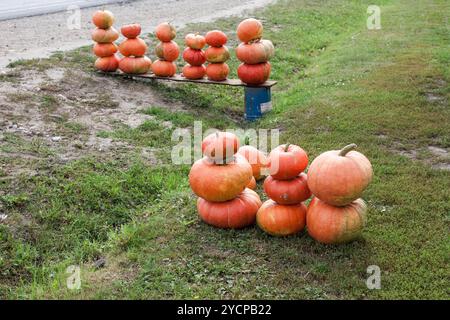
(286,186)
(337,179)
(217,54)
(167,51)
(220,179)
(104,36)
(253,52)
(133,49)
(194,56)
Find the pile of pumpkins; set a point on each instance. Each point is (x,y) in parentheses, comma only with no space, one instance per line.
(133,50)
(104,35)
(223,179)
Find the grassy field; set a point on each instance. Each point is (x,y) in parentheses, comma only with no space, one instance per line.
(386,90)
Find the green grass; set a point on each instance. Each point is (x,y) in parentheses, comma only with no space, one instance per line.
(338,83)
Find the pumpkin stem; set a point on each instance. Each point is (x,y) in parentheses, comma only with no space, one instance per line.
(246,140)
(347,149)
(286,148)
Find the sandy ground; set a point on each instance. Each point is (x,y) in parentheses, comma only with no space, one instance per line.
(39,36)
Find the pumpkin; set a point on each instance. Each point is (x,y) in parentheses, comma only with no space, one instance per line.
(254,73)
(131,31)
(219,183)
(287,191)
(249,30)
(340,176)
(220,146)
(103,19)
(330,224)
(107,64)
(281,220)
(237,213)
(104,49)
(256,52)
(194,57)
(195,41)
(256,158)
(252,184)
(133,47)
(287,161)
(104,36)
(165,32)
(217,71)
(194,72)
(217,54)
(162,68)
(133,65)
(216,38)
(168,51)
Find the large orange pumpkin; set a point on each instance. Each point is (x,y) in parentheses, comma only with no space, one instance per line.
(218,183)
(131,31)
(195,41)
(104,36)
(217,54)
(162,68)
(237,213)
(107,64)
(133,47)
(256,52)
(217,71)
(104,49)
(165,32)
(194,72)
(194,57)
(103,19)
(132,65)
(287,191)
(281,220)
(254,73)
(220,146)
(340,176)
(331,224)
(216,38)
(257,160)
(287,161)
(168,51)
(249,30)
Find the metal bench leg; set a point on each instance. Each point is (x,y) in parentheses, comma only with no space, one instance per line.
(258,100)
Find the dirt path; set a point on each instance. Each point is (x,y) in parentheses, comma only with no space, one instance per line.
(39,36)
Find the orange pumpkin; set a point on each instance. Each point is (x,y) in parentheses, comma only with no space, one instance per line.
(287,161)
(194,72)
(254,53)
(195,41)
(168,51)
(237,213)
(133,47)
(281,220)
(216,38)
(103,19)
(162,68)
(165,32)
(217,54)
(217,71)
(194,57)
(107,64)
(339,177)
(252,184)
(332,225)
(220,146)
(257,160)
(219,183)
(131,31)
(104,49)
(134,65)
(249,30)
(104,36)
(287,191)
(254,73)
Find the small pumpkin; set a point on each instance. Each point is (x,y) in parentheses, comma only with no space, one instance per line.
(287,161)
(254,73)
(217,71)
(281,220)
(133,47)
(195,41)
(257,160)
(217,54)
(107,64)
(165,32)
(162,68)
(168,51)
(249,30)
(256,52)
(132,65)
(332,225)
(252,184)
(104,49)
(131,31)
(104,35)
(219,183)
(237,213)
(287,191)
(103,19)
(220,146)
(339,177)
(216,38)
(194,72)
(194,57)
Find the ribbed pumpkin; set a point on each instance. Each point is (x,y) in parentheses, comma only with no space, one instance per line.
(281,220)
(219,146)
(340,176)
(104,36)
(249,30)
(217,54)
(332,225)
(168,51)
(219,183)
(194,72)
(131,65)
(162,68)
(254,73)
(104,49)
(216,38)
(165,32)
(257,52)
(194,57)
(217,71)
(107,64)
(257,160)
(103,19)
(252,184)
(195,41)
(287,191)
(131,31)
(287,161)
(133,47)
(237,213)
